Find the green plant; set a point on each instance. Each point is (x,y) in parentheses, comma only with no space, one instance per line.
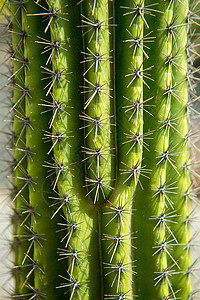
(102,183)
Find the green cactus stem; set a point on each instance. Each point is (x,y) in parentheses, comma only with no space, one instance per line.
(42,239)
(21,153)
(101,95)
(180,170)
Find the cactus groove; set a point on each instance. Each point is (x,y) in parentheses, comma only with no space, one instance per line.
(101,148)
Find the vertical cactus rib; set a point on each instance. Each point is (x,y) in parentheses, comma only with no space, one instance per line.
(180,78)
(20,96)
(98,100)
(157,190)
(42,235)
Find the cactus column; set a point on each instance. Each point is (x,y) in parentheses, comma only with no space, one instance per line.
(106,175)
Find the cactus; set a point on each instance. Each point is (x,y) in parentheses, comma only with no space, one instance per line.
(102,189)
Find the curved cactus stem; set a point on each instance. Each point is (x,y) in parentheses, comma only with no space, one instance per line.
(79,228)
(119,266)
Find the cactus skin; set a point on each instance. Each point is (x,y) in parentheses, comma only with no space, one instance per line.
(105,119)
(18,45)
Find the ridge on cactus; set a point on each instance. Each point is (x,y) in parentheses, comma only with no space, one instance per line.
(102,185)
